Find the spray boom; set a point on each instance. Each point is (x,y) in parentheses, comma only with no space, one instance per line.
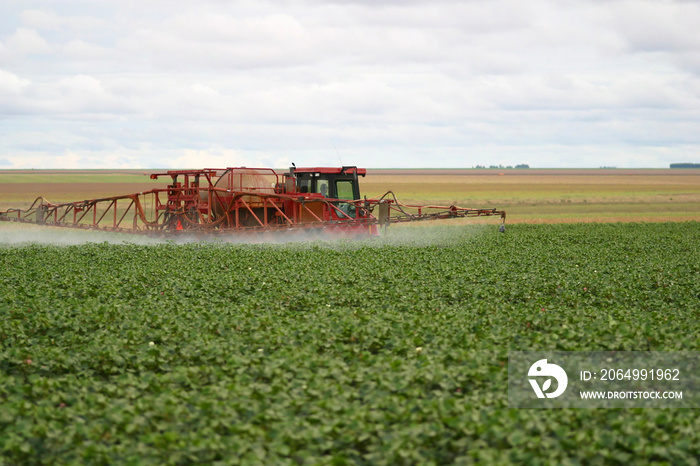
(243,201)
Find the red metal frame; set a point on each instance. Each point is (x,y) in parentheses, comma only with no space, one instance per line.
(193,203)
(332,170)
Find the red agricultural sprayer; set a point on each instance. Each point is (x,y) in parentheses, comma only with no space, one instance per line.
(243,200)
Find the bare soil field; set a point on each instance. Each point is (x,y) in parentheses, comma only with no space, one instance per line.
(529,196)
(528,171)
(67,192)
(552,196)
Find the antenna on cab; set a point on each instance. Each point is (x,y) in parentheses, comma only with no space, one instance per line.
(336,153)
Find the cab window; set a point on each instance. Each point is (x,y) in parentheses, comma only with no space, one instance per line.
(344,190)
(322,187)
(304,185)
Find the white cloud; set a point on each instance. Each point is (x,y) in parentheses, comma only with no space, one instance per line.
(12,91)
(390,83)
(79,97)
(212,158)
(659,26)
(11,84)
(50,20)
(27,41)
(82,50)
(67,159)
(20,44)
(214,41)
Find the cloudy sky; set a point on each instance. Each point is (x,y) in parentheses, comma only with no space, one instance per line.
(373,83)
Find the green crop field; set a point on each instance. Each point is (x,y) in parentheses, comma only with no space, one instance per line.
(385,351)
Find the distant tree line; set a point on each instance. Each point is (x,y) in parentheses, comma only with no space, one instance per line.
(685,165)
(521,165)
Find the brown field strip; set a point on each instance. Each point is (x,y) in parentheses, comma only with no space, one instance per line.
(21,195)
(571,196)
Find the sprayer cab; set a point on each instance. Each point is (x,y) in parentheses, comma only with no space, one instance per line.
(330,182)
